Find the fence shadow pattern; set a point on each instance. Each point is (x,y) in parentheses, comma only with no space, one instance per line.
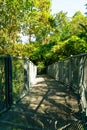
(45,108)
(16,77)
(73,73)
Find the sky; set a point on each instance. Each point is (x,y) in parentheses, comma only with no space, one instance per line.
(69,6)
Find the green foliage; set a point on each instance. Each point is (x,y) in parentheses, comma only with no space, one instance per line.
(66,32)
(74,46)
(40,65)
(10,19)
(18,78)
(56,36)
(76,22)
(37,20)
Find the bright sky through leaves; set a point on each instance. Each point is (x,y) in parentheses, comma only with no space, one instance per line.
(70,6)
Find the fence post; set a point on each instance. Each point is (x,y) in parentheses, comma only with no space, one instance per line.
(8,80)
(26,74)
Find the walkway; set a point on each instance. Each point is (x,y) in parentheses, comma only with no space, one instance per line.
(48,106)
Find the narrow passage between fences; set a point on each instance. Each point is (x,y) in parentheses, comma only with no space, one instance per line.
(49,105)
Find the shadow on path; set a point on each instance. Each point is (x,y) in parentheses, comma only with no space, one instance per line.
(48,106)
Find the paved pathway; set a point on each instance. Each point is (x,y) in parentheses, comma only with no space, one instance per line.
(48,106)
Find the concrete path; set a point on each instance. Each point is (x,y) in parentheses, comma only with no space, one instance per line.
(48,106)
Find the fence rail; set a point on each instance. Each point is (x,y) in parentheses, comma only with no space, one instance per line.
(16,77)
(73,72)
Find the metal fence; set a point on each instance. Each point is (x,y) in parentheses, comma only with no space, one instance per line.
(72,72)
(16,77)
(2,85)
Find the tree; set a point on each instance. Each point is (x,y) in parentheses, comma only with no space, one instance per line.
(37,23)
(76,22)
(11,18)
(76,19)
(62,26)
(60,20)
(74,46)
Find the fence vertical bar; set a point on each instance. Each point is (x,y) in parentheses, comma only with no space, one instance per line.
(8,80)
(26,74)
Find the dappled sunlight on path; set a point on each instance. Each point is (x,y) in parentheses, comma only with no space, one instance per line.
(49,105)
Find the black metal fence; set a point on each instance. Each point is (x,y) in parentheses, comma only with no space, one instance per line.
(16,76)
(73,73)
(2,85)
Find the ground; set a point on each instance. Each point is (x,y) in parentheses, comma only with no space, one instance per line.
(49,105)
